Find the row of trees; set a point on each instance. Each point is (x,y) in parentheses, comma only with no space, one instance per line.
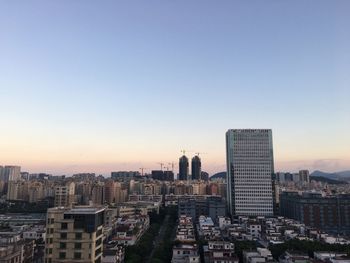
(25,207)
(142,249)
(163,252)
(241,246)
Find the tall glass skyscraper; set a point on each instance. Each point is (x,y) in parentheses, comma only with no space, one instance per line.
(250,168)
(196,167)
(183,168)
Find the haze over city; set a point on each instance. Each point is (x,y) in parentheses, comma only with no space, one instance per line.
(90,86)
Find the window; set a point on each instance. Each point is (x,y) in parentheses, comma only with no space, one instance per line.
(77,246)
(63,245)
(63,235)
(62,255)
(64,225)
(78,235)
(98,241)
(77,255)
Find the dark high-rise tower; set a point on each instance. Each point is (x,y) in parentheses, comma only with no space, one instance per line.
(183,168)
(196,168)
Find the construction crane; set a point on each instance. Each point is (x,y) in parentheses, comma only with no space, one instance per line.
(142,169)
(161,166)
(172,166)
(184,151)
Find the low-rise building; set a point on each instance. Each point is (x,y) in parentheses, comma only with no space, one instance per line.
(195,206)
(220,251)
(185,230)
(129,229)
(253,229)
(294,257)
(258,256)
(17,252)
(185,248)
(332,257)
(224,222)
(185,253)
(10,253)
(35,232)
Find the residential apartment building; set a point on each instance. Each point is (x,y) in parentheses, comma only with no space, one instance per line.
(185,249)
(220,251)
(10,173)
(74,234)
(259,256)
(65,194)
(192,206)
(330,214)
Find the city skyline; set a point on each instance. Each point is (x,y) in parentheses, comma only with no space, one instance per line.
(88,87)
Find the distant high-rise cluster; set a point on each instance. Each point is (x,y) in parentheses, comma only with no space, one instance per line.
(302,177)
(196,169)
(249,172)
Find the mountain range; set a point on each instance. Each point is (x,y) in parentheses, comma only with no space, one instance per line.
(340,176)
(331,178)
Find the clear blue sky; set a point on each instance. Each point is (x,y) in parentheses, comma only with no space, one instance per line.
(109,85)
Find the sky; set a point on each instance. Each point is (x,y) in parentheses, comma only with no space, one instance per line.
(100,86)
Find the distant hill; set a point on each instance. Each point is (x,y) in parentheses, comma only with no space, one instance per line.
(326,180)
(340,176)
(330,178)
(221,175)
(344,173)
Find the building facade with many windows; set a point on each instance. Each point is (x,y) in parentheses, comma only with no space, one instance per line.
(250,169)
(183,168)
(196,168)
(331,213)
(74,234)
